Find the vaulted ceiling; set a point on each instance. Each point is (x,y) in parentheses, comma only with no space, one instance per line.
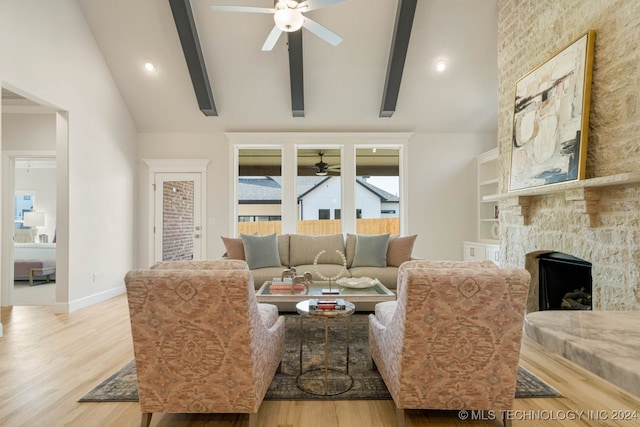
(343,86)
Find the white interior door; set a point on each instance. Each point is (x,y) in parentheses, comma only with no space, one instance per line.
(178,233)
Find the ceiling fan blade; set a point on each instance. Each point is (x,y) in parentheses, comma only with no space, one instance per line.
(323,32)
(243,9)
(272,38)
(317,4)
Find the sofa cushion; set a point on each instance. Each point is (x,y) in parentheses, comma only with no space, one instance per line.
(304,248)
(261,251)
(400,249)
(261,275)
(371,250)
(283,249)
(234,247)
(327,270)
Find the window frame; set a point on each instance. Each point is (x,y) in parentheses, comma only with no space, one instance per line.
(348,143)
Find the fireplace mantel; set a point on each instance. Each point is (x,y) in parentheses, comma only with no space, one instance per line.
(584,194)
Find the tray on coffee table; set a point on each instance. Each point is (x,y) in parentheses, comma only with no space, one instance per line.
(286,300)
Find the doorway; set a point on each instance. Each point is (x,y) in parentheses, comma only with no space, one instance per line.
(178,219)
(176,209)
(35,231)
(33,132)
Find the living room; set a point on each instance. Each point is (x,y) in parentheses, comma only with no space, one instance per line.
(56,57)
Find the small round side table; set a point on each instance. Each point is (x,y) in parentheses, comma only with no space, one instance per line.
(340,380)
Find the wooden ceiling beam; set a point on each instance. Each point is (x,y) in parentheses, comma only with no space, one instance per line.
(296,74)
(186,26)
(399,47)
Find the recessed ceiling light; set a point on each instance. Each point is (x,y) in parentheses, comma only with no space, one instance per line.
(149,67)
(440,65)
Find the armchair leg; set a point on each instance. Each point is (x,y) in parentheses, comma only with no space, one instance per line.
(400,417)
(146,419)
(253,420)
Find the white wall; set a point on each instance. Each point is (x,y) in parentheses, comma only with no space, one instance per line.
(48,52)
(442,191)
(441,181)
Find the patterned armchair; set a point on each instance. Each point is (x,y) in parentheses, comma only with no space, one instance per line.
(452,338)
(202,343)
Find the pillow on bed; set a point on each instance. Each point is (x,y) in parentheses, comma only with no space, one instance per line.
(25,235)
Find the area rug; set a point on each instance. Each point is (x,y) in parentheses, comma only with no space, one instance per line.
(367,384)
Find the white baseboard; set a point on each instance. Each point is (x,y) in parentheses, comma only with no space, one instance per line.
(88,300)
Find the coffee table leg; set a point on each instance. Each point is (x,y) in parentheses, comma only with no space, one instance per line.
(326,356)
(348,340)
(301,339)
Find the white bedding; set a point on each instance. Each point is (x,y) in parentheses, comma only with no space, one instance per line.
(40,251)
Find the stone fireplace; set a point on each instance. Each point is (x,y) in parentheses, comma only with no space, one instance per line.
(564,282)
(596,219)
(598,225)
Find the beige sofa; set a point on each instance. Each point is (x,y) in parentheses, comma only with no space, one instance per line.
(299,251)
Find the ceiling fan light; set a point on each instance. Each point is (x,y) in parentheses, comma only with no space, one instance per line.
(288,20)
(321,173)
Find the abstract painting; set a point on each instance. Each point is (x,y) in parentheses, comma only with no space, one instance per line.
(551,118)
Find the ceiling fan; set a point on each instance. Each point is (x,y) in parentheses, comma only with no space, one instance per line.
(323,168)
(288,17)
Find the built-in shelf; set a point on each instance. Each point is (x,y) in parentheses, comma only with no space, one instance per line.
(583,194)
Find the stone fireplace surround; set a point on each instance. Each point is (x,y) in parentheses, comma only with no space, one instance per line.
(596,220)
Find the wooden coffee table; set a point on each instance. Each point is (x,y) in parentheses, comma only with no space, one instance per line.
(363,299)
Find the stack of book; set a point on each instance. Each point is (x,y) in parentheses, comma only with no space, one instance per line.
(285,287)
(321,305)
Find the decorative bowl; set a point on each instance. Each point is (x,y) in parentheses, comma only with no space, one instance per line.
(357,282)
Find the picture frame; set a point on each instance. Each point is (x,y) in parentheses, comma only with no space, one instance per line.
(551,118)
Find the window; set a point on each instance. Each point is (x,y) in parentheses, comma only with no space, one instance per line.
(259,191)
(378,190)
(319,190)
(320,175)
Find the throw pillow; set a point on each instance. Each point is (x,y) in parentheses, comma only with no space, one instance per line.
(400,249)
(371,250)
(261,251)
(350,248)
(234,247)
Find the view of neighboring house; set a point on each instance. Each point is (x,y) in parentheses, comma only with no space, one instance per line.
(259,199)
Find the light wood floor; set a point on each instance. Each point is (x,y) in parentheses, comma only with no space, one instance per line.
(49,361)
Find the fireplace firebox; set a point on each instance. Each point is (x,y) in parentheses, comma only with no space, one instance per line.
(565,282)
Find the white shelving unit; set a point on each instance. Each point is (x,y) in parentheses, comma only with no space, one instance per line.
(487,186)
(487,246)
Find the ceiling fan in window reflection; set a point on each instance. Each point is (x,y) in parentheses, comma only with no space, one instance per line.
(288,17)
(323,168)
